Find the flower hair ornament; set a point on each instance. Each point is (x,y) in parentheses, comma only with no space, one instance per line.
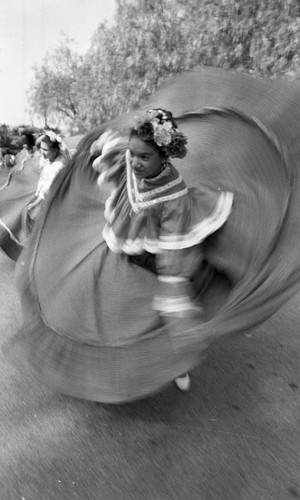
(56,140)
(161,128)
(53,136)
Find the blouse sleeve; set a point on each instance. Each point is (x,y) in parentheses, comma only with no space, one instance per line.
(186,222)
(176,267)
(109,150)
(176,294)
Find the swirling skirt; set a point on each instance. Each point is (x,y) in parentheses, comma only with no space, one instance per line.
(89,329)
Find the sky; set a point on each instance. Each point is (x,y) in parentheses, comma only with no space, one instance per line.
(30,28)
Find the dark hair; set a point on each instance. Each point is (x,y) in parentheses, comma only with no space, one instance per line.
(47,140)
(158,128)
(145,134)
(29,139)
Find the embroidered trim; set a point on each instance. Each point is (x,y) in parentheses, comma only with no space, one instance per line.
(206,227)
(129,246)
(145,204)
(132,191)
(172,279)
(162,174)
(173,242)
(143,196)
(149,194)
(171,305)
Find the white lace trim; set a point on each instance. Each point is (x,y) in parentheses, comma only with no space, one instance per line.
(172,279)
(132,191)
(173,305)
(177,241)
(206,227)
(155,191)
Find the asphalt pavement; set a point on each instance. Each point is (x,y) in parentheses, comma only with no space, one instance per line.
(235,436)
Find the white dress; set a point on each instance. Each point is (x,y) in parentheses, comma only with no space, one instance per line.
(48,174)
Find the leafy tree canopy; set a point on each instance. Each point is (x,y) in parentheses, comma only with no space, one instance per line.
(150,40)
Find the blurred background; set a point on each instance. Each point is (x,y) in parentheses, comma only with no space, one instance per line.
(71,65)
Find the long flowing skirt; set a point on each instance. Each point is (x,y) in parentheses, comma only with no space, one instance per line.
(17,188)
(89,328)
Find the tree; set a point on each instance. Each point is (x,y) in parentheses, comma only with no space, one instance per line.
(150,40)
(55,91)
(40,93)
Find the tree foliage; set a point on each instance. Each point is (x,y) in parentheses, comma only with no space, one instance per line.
(55,90)
(149,40)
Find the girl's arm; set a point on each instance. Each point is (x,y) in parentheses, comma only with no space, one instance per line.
(109,150)
(176,263)
(176,294)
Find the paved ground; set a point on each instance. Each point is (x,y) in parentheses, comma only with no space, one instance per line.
(235,436)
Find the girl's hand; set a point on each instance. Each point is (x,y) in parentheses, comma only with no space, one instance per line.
(105,141)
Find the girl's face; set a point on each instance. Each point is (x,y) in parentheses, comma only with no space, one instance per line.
(145,160)
(48,152)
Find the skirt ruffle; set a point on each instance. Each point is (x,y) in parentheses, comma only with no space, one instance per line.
(104,374)
(89,327)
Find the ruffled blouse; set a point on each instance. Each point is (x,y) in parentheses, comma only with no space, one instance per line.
(162,216)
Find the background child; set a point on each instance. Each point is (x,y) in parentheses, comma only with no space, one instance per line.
(54,157)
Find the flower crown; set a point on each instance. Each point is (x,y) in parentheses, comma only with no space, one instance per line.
(159,124)
(53,136)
